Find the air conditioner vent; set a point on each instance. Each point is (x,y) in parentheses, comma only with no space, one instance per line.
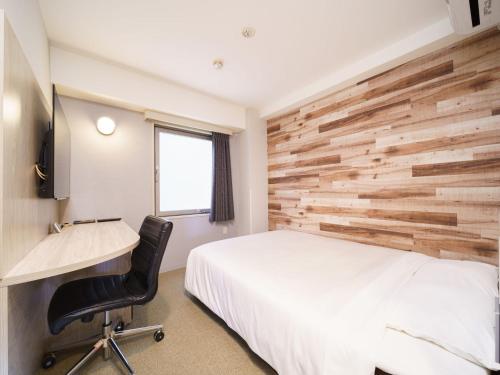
(468,16)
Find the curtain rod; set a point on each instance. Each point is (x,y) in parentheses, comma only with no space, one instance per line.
(185,123)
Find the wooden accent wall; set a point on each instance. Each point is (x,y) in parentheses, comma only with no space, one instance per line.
(408,159)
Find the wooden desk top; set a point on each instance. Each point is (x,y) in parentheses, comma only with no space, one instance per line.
(76,247)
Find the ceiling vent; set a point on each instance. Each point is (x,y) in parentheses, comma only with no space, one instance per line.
(468,16)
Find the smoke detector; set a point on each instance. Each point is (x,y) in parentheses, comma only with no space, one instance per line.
(218,64)
(248,32)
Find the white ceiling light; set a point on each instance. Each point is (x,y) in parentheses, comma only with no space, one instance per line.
(218,64)
(106,125)
(248,32)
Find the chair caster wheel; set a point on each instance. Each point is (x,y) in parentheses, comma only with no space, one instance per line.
(48,360)
(120,326)
(158,335)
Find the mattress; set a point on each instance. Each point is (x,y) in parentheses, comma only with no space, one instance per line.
(309,304)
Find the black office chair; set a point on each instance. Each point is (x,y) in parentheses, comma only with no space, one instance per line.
(81,299)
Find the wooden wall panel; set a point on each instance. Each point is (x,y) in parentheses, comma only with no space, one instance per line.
(408,159)
(25,219)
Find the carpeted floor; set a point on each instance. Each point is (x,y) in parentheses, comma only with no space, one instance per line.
(196,341)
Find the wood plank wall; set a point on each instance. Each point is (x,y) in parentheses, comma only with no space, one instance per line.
(408,159)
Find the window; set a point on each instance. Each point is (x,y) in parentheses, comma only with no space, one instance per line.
(183,174)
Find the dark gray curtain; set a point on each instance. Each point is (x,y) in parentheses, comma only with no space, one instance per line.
(222,188)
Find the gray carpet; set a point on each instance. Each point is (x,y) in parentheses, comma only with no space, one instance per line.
(196,341)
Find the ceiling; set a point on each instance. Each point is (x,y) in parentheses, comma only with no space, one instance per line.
(297,41)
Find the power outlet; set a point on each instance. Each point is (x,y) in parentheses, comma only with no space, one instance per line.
(224,229)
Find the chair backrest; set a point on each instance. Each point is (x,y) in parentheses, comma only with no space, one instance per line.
(147,256)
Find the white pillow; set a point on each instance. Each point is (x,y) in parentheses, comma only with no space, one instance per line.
(451,304)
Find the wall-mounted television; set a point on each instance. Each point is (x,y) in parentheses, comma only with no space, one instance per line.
(54,162)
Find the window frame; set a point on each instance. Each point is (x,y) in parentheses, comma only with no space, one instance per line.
(158,129)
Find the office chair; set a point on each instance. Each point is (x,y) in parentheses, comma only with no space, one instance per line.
(82,299)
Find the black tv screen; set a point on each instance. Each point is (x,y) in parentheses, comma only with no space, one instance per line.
(55,156)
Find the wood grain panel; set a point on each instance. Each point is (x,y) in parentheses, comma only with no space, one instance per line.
(438,218)
(459,167)
(360,231)
(409,158)
(24,218)
(325,160)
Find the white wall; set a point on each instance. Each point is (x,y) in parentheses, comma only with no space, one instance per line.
(85,75)
(190,232)
(107,171)
(26,21)
(249,152)
(112,176)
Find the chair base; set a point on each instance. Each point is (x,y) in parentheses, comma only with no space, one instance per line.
(105,342)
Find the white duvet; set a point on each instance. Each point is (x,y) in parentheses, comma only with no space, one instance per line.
(303,314)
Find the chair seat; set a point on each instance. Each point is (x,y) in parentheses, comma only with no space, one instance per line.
(81,299)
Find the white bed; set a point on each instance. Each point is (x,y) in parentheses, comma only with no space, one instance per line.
(310,305)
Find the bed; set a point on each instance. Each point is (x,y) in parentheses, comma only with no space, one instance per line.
(309,304)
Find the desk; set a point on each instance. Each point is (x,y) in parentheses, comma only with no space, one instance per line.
(76,247)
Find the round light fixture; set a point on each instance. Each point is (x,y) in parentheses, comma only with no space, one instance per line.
(248,32)
(106,125)
(218,64)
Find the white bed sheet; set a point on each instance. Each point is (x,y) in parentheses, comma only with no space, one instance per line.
(303,314)
(403,354)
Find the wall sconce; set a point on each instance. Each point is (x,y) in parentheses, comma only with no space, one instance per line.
(106,125)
